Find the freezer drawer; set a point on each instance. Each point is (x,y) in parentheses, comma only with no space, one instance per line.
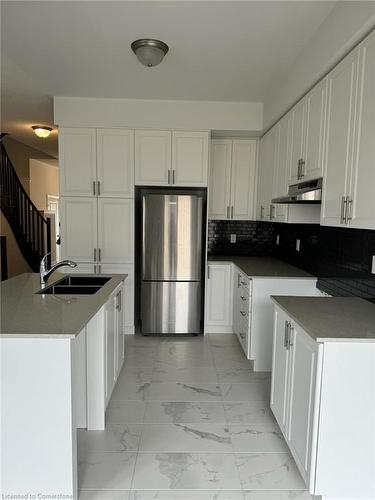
(170,307)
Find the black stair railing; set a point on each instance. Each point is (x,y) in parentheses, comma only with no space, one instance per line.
(31,230)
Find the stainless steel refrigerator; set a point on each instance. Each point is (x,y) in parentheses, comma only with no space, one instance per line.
(171,263)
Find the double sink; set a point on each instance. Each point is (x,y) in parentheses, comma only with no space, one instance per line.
(75,285)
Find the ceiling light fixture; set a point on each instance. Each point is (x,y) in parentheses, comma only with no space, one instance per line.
(149,52)
(42,131)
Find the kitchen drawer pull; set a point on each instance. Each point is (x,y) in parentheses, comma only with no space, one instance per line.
(93,188)
(173,173)
(286,333)
(291,329)
(349,209)
(118,301)
(344,204)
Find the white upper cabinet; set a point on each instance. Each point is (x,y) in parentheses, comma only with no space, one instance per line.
(115,230)
(307,135)
(79,235)
(361,209)
(243,179)
(297,115)
(153,157)
(267,161)
(232,179)
(339,141)
(281,174)
(115,163)
(190,158)
(315,122)
(77,158)
(220,176)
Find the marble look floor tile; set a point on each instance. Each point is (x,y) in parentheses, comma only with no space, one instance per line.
(125,391)
(248,412)
(187,438)
(164,372)
(183,412)
(106,471)
(185,495)
(268,471)
(257,438)
(160,391)
(236,374)
(278,495)
(135,373)
(125,412)
(103,495)
(257,390)
(186,471)
(115,437)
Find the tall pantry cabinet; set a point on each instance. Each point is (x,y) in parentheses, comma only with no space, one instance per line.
(97,203)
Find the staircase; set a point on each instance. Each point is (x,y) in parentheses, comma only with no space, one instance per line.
(31,230)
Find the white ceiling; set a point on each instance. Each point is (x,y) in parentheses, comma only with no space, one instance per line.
(231,51)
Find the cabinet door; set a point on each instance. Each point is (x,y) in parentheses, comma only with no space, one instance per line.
(281,175)
(265,175)
(119,331)
(219,296)
(77,158)
(280,360)
(127,304)
(110,354)
(115,150)
(315,120)
(115,230)
(220,175)
(303,364)
(153,154)
(339,139)
(79,238)
(243,180)
(296,139)
(190,158)
(362,211)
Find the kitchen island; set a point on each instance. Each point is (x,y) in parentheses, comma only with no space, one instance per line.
(323,391)
(60,358)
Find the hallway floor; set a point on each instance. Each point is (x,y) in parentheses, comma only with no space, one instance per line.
(188,420)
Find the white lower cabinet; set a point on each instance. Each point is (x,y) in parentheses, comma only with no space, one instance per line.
(241,308)
(322,396)
(219,298)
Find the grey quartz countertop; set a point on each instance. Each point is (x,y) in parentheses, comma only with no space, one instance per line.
(263,267)
(331,319)
(24,313)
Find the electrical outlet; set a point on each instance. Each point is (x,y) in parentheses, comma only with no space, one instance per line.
(278,239)
(298,245)
(373,265)
(233,238)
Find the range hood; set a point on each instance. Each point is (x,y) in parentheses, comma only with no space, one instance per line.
(308,192)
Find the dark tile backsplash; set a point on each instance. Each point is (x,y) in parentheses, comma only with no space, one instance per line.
(340,258)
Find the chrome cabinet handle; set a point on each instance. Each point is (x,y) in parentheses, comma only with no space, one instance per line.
(290,330)
(173,174)
(286,333)
(238,280)
(344,205)
(98,188)
(93,188)
(231,212)
(99,254)
(227,211)
(261,211)
(272,209)
(208,272)
(119,301)
(349,210)
(169,176)
(94,254)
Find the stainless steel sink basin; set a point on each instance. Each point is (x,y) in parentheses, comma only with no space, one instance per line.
(83,281)
(75,285)
(69,290)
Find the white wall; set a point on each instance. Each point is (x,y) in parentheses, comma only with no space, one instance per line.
(147,113)
(44,179)
(347,23)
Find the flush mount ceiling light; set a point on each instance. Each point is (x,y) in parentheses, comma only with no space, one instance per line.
(149,52)
(41,131)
